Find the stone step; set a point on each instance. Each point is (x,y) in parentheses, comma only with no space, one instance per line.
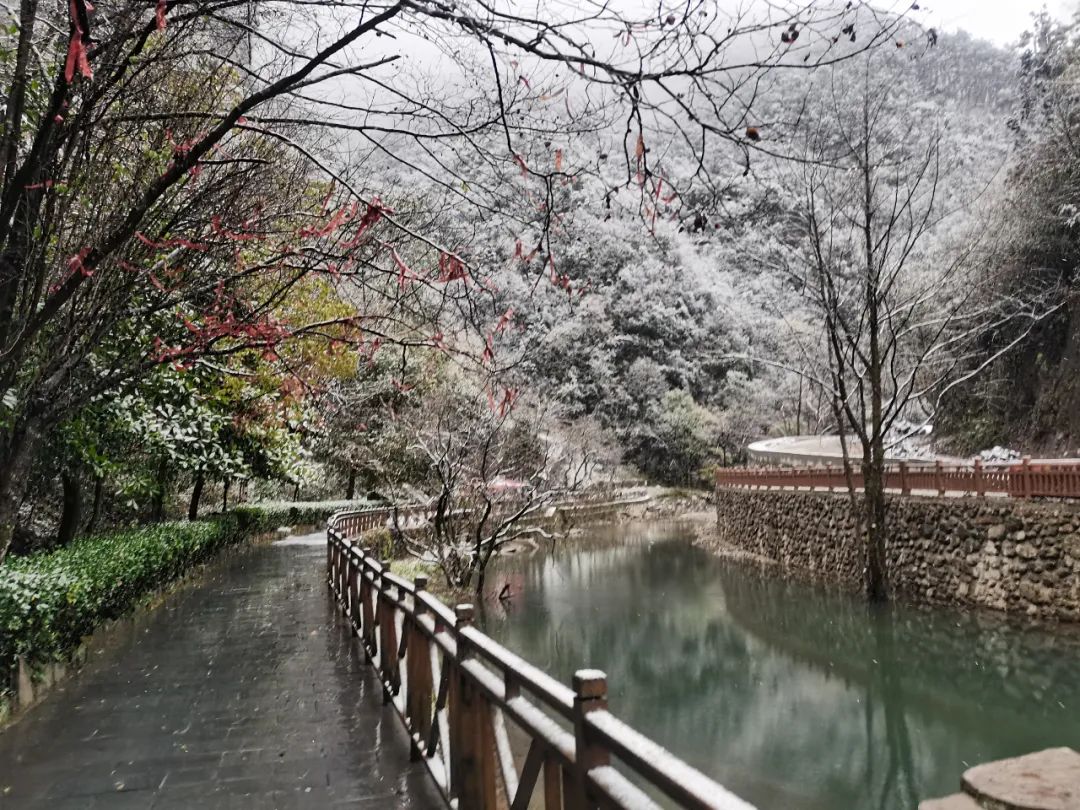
(1047,780)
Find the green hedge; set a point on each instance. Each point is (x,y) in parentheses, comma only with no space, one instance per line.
(50,601)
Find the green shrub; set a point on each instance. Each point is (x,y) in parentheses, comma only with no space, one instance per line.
(50,601)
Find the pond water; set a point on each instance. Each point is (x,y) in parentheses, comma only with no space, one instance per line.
(791,695)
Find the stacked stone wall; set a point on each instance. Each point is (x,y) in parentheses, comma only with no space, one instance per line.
(1010,555)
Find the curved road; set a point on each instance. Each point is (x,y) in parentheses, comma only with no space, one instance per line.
(802,450)
(244,689)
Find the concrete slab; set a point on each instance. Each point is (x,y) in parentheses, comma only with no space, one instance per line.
(1046,780)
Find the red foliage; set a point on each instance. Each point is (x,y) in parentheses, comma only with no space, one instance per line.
(343,215)
(559,279)
(76,54)
(504,321)
(405,272)
(75,264)
(375,211)
(510,396)
(236,236)
(451,268)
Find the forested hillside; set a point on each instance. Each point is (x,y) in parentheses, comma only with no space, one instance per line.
(483,260)
(1031,397)
(681,332)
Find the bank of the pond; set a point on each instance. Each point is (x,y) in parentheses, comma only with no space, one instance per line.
(1005,554)
(51,602)
(792,694)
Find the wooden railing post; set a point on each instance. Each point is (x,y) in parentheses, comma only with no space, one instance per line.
(335,560)
(367,611)
(1025,476)
(472,746)
(939,481)
(905,489)
(980,484)
(418,698)
(461,784)
(828,475)
(388,641)
(343,576)
(590,695)
(347,567)
(339,567)
(354,594)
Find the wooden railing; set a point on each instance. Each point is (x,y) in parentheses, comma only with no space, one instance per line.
(1022,479)
(493,730)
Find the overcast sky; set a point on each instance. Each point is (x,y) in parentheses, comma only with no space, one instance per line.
(1000,21)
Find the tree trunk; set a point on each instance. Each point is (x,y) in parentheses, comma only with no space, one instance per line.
(9,511)
(95,510)
(877,585)
(350,489)
(296,491)
(71,516)
(157,507)
(798,410)
(877,575)
(481,575)
(225,495)
(19,450)
(196,494)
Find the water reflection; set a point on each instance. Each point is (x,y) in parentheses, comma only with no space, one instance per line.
(792,695)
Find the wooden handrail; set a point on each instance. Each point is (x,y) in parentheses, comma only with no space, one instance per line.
(1023,479)
(455,689)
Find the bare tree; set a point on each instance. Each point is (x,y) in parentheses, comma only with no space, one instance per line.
(902,317)
(493,466)
(158,161)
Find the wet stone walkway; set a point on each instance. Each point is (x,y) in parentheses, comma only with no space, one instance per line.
(242,690)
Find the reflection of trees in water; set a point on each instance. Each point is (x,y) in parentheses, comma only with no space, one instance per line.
(885,689)
(960,663)
(789,694)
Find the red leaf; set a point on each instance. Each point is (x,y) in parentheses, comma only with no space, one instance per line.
(504,321)
(451,268)
(75,263)
(76,54)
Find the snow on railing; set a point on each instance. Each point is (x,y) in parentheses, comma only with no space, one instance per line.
(466,700)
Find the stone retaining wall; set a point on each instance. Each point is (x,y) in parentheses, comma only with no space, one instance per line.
(1016,556)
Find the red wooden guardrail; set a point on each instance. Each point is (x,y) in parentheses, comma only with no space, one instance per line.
(1022,479)
(495,732)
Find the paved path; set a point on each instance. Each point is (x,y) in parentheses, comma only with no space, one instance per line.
(798,451)
(242,690)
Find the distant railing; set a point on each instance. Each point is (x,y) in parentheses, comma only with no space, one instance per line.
(1022,479)
(465,701)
